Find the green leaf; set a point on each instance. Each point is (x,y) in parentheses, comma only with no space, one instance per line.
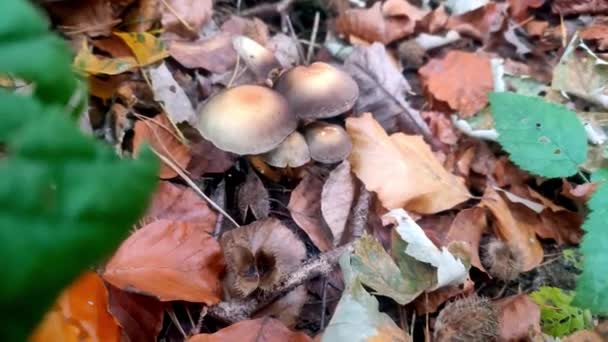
(66,201)
(541,137)
(557,314)
(592,285)
(600,175)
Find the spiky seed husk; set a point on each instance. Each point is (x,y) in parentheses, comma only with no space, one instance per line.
(502,260)
(472,319)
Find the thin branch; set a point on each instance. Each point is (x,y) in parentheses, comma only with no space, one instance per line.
(313,38)
(241,309)
(268,9)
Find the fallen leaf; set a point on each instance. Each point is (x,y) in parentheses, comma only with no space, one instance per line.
(253,28)
(514,230)
(171,260)
(214,54)
(160,134)
(305,208)
(180,203)
(463,6)
(146,48)
(167,91)
(468,226)
(253,196)
(357,317)
(139,316)
(569,7)
(82,313)
(256,330)
(383,22)
(92,64)
(430,302)
(382,88)
(596,32)
(185,17)
(286,309)
(520,8)
(519,317)
(441,127)
(144,16)
(434,21)
(480,23)
(580,192)
(113,45)
(285,50)
(401,169)
(92,17)
(443,79)
(206,158)
(337,198)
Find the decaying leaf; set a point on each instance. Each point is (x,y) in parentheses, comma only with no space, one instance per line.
(357,317)
(93,17)
(287,308)
(462,79)
(514,230)
(480,23)
(258,255)
(168,91)
(305,208)
(185,17)
(382,88)
(139,316)
(93,64)
(146,48)
(401,169)
(468,226)
(171,260)
(337,199)
(519,318)
(253,196)
(214,54)
(262,329)
(160,134)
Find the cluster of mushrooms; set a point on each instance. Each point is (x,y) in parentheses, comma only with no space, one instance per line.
(263,119)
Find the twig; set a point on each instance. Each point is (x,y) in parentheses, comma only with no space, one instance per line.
(323,303)
(173,317)
(268,9)
(292,33)
(313,38)
(236,68)
(199,324)
(241,309)
(194,186)
(179,18)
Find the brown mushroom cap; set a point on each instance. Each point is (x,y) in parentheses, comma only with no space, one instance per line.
(259,59)
(292,152)
(328,143)
(246,119)
(318,91)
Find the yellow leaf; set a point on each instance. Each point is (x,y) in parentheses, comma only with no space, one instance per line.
(401,169)
(91,64)
(146,47)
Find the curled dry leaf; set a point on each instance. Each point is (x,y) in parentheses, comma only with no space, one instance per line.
(262,329)
(305,208)
(206,158)
(383,22)
(287,308)
(214,54)
(170,260)
(139,316)
(160,134)
(337,198)
(253,28)
(480,23)
(468,226)
(401,169)
(81,313)
(597,32)
(518,318)
(259,255)
(515,228)
(445,79)
(170,93)
(185,17)
(253,196)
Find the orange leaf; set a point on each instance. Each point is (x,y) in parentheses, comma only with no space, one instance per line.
(160,134)
(169,260)
(462,79)
(261,329)
(519,318)
(147,48)
(401,169)
(515,228)
(468,226)
(82,312)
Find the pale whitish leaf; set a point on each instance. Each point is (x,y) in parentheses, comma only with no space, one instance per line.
(168,91)
(357,317)
(382,87)
(450,270)
(337,198)
(462,6)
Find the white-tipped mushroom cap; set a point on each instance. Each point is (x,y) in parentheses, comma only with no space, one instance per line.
(318,90)
(292,152)
(258,59)
(328,143)
(247,119)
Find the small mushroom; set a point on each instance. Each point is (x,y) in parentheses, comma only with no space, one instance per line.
(292,152)
(258,59)
(318,90)
(328,143)
(246,119)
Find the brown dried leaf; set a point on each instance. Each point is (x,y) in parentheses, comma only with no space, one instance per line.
(160,134)
(337,198)
(441,126)
(401,169)
(252,195)
(383,22)
(462,79)
(171,260)
(480,23)
(516,227)
(194,13)
(93,17)
(579,193)
(253,28)
(519,318)
(468,226)
(287,308)
(520,8)
(305,208)
(214,54)
(597,32)
(257,330)
(434,21)
(206,158)
(569,7)
(430,302)
(139,316)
